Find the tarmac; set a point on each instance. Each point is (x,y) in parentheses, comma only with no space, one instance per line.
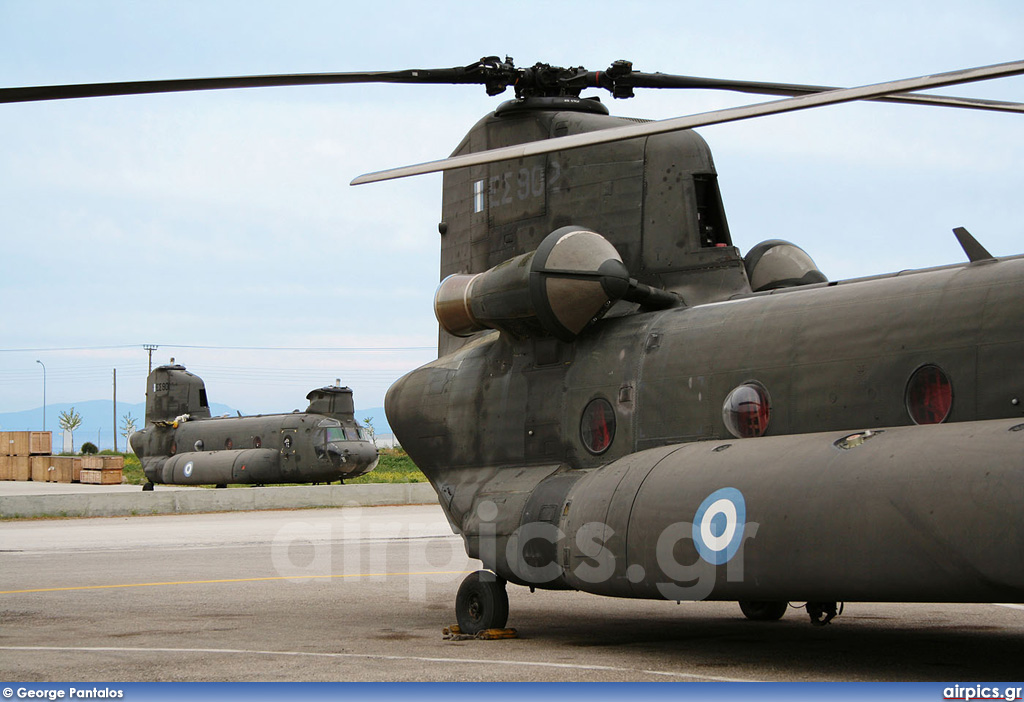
(28,499)
(365,594)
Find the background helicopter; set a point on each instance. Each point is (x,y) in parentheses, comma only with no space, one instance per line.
(182,444)
(542,506)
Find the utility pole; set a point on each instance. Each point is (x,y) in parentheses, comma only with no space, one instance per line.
(44,392)
(115,410)
(151,348)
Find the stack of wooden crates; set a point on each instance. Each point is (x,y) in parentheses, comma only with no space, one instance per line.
(26,455)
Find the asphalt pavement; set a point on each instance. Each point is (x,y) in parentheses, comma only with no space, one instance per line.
(364,593)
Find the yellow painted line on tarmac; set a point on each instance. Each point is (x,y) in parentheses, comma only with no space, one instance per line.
(298,578)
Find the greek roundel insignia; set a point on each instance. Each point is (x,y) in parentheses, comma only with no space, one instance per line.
(718,525)
(188,469)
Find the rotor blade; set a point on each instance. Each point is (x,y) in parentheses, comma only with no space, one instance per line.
(664,80)
(66,92)
(734,114)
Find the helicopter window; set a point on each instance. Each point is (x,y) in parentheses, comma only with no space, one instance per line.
(198,445)
(597,428)
(202,398)
(257,442)
(228,443)
(335,434)
(929,395)
(747,411)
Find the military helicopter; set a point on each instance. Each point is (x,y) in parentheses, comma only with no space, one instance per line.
(624,405)
(182,444)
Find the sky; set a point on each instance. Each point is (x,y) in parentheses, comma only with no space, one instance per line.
(220,226)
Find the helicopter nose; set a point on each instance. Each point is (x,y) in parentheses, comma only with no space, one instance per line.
(360,457)
(363,453)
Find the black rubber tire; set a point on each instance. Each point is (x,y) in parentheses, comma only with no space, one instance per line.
(763,611)
(148,487)
(481,603)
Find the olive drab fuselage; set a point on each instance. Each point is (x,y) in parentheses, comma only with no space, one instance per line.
(183,445)
(809,441)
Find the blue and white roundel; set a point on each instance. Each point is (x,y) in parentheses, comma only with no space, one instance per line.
(718,525)
(188,469)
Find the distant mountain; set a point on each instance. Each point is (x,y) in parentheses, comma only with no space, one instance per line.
(98,421)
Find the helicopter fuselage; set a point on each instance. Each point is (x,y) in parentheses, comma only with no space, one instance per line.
(538,486)
(182,444)
(260,450)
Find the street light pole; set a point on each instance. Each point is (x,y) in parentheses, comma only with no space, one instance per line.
(44,392)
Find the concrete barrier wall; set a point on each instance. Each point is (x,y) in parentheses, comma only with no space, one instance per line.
(170,501)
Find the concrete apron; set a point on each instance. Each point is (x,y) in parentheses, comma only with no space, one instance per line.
(117,504)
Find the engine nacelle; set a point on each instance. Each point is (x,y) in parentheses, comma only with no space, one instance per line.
(776,264)
(569,282)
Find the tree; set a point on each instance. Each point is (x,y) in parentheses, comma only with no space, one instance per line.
(69,421)
(128,428)
(368,421)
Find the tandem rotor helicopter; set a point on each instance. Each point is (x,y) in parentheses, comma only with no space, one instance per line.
(182,444)
(625,405)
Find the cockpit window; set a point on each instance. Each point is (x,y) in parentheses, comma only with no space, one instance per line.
(334,434)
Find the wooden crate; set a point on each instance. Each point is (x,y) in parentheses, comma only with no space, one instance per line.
(92,462)
(21,467)
(40,468)
(76,468)
(18,444)
(60,468)
(100,477)
(112,462)
(5,468)
(40,443)
(5,443)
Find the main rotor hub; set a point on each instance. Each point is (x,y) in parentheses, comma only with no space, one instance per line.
(561,104)
(542,80)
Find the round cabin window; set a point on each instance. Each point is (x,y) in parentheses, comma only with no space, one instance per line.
(929,395)
(597,428)
(747,410)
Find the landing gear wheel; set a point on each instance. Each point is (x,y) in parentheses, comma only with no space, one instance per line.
(763,611)
(148,487)
(482,602)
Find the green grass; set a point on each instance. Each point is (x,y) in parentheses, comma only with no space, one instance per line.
(132,474)
(395,466)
